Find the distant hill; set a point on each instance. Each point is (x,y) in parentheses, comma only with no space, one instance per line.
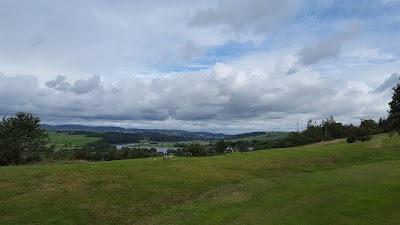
(259,136)
(186,135)
(81,128)
(244,135)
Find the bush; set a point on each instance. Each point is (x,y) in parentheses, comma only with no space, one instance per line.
(3,160)
(351,139)
(391,133)
(33,157)
(196,149)
(365,138)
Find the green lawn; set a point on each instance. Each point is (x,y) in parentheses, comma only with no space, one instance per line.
(62,139)
(332,184)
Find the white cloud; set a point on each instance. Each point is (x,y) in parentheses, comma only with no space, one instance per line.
(367,55)
(388,2)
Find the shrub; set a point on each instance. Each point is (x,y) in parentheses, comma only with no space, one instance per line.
(33,157)
(365,138)
(351,139)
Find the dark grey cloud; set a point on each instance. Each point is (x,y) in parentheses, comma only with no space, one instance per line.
(292,70)
(254,16)
(321,50)
(18,93)
(36,40)
(85,86)
(60,83)
(190,51)
(221,96)
(389,83)
(327,48)
(79,87)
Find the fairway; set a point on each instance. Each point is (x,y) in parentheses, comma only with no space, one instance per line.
(337,183)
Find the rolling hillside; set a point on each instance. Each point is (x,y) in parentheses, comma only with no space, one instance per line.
(337,183)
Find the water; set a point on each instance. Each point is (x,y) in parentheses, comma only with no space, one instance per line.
(159,149)
(164,150)
(119,147)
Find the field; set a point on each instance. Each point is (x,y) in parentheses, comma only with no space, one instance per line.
(69,141)
(336,183)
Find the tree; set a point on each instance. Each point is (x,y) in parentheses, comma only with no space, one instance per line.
(368,127)
(221,146)
(394,112)
(20,134)
(196,149)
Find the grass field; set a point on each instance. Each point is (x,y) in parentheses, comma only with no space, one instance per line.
(62,139)
(336,183)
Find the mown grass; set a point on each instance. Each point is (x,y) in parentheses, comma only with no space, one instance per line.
(63,139)
(332,184)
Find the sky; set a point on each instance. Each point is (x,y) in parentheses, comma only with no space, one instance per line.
(229,66)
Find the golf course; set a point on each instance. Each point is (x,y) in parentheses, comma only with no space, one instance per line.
(336,183)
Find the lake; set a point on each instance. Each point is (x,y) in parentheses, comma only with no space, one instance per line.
(159,149)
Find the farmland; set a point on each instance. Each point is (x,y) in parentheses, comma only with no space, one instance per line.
(61,139)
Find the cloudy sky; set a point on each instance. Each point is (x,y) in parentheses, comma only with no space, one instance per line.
(213,65)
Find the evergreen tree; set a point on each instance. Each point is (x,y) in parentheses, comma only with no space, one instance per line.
(394,112)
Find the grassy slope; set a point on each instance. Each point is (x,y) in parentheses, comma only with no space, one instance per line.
(60,139)
(331,184)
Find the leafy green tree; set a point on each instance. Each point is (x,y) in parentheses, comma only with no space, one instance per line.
(394,112)
(313,131)
(221,146)
(196,149)
(368,127)
(20,134)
